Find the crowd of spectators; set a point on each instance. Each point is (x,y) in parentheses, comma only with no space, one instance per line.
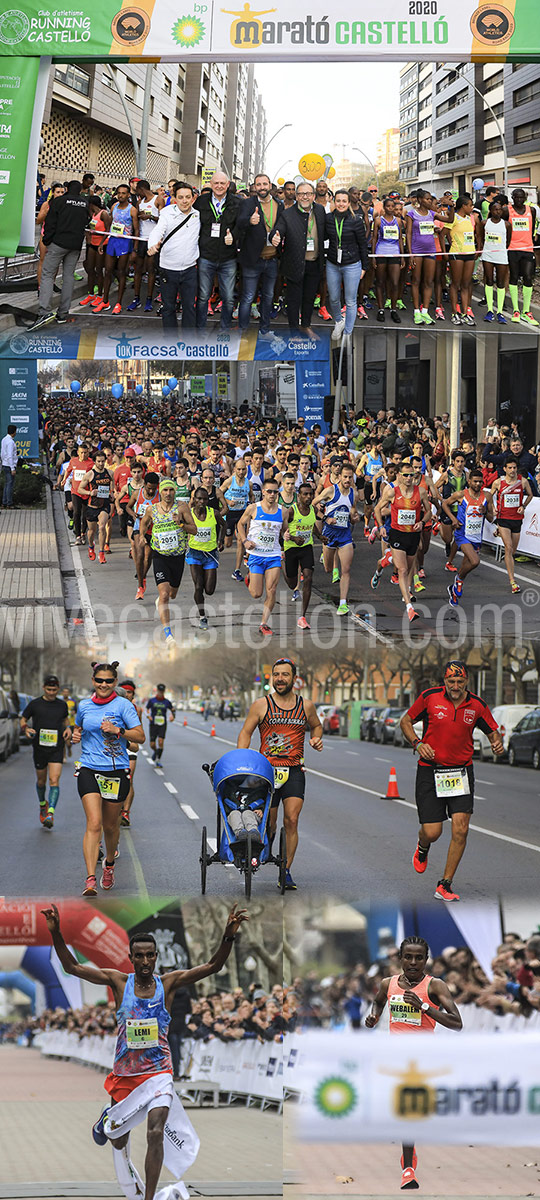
(344,999)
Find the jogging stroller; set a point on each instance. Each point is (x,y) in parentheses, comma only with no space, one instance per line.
(243,782)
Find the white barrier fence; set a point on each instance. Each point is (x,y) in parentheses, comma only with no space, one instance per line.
(246,1067)
(529,538)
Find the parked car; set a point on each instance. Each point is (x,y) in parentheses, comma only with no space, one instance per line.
(15,728)
(398,738)
(322,710)
(334,721)
(367,726)
(6,726)
(507,717)
(524,741)
(386,722)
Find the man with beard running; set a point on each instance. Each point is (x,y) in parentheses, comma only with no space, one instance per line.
(417,1003)
(282,728)
(143,1002)
(445,776)
(50,731)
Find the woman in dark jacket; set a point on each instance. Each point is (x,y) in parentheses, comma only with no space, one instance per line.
(347,260)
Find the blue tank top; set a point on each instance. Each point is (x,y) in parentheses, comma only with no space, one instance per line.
(339,507)
(388,237)
(471,515)
(237,494)
(123,216)
(373,464)
(142,1046)
(256,482)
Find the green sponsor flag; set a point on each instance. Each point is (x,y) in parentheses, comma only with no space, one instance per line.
(18,79)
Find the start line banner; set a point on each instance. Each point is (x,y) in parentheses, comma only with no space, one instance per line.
(455,1088)
(150,30)
(181,346)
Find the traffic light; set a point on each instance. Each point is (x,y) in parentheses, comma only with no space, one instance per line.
(266,674)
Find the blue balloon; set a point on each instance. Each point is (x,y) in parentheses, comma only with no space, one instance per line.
(478,184)
(172,382)
(165,391)
(75,386)
(117,390)
(138,388)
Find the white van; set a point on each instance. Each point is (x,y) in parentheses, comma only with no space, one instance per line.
(507,717)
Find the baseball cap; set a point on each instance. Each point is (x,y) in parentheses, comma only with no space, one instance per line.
(455,669)
(343,439)
(129,453)
(160,687)
(394,195)
(285,661)
(53,680)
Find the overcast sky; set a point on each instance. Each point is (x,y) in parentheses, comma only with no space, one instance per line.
(326,103)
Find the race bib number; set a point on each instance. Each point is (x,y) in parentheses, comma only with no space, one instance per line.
(494,239)
(167,540)
(266,540)
(473,527)
(454,782)
(141,1035)
(512,501)
(342,518)
(109,788)
(204,535)
(403,1012)
(390,233)
(78,475)
(427,228)
(92,224)
(520,224)
(48,737)
(146,213)
(159,719)
(303,534)
(281,775)
(117,228)
(406,518)
(103,491)
(468,237)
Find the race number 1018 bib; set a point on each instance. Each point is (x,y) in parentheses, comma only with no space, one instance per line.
(452,781)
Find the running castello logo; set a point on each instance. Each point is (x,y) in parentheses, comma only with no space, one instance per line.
(492,24)
(130,26)
(14,26)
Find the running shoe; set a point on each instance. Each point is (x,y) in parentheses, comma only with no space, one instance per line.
(367,531)
(139,594)
(386,559)
(443,891)
(372,535)
(237,575)
(303,623)
(135,303)
(148,306)
(458,586)
(124,820)
(91,554)
(100,307)
(422,573)
(502,320)
(343,609)
(98,1135)
(412,614)
(375,580)
(450,567)
(296,595)
(246,580)
(436,527)
(116,310)
(417,318)
(515,317)
(42,811)
(381,315)
(361,312)
(323,312)
(107,878)
(387,303)
(107,548)
(289,881)
(439,314)
(96,300)
(39,321)
(368,304)
(169,637)
(48,821)
(528,319)
(394,578)
(419,858)
(70,523)
(490,316)
(321,557)
(265,630)
(418,585)
(456,319)
(86,300)
(426,317)
(337,330)
(101,557)
(515,588)
(468,319)
(408,1180)
(90,886)
(335,575)
(395,317)
(452,598)
(203,622)
(402,307)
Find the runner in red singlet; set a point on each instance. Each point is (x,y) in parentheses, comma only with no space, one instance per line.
(513,494)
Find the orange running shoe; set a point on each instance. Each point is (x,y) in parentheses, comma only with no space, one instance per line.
(419,861)
(443,891)
(408,1179)
(91,553)
(102,558)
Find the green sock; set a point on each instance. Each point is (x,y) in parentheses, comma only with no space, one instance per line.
(501,292)
(54,792)
(512,288)
(527,297)
(489,296)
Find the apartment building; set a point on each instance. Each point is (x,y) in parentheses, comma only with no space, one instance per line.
(388,151)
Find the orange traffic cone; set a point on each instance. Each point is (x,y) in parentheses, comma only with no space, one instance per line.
(392,791)
(185,722)
(213,731)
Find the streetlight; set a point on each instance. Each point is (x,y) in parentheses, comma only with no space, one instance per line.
(282,168)
(372,165)
(497,122)
(288,125)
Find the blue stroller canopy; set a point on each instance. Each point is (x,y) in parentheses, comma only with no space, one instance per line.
(242,763)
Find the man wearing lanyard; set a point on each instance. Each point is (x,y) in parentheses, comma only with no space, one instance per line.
(217,246)
(301,229)
(258,257)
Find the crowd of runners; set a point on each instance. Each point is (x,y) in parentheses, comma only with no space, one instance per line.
(181,486)
(247,255)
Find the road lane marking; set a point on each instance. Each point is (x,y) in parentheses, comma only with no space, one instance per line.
(502,837)
(189,812)
(212,845)
(127,840)
(170,787)
(355,752)
(382,759)
(485,782)
(90,627)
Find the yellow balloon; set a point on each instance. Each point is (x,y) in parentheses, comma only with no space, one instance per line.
(331,172)
(281,181)
(312,166)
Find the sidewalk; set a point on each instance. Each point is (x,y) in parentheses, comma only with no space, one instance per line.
(31,593)
(47,1114)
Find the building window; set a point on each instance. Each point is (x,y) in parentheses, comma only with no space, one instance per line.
(498,109)
(494,82)
(166,85)
(453,155)
(176,146)
(491,145)
(73,77)
(455,101)
(164,123)
(527,133)
(449,130)
(531,91)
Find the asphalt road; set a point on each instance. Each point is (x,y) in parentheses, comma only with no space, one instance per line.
(104,597)
(352,842)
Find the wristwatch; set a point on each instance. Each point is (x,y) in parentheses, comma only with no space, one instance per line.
(227,938)
(121,731)
(425,1006)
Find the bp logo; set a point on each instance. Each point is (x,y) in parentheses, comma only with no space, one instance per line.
(492,24)
(188,31)
(336,1097)
(130,26)
(14,26)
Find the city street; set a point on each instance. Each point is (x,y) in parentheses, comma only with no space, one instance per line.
(106,601)
(52,1105)
(353,843)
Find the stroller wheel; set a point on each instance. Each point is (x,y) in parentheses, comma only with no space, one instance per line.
(203,860)
(282,861)
(248,868)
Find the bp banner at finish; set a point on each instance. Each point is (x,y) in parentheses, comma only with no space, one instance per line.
(288,29)
(18,403)
(443,1087)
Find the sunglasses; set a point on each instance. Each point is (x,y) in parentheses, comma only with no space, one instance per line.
(104,680)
